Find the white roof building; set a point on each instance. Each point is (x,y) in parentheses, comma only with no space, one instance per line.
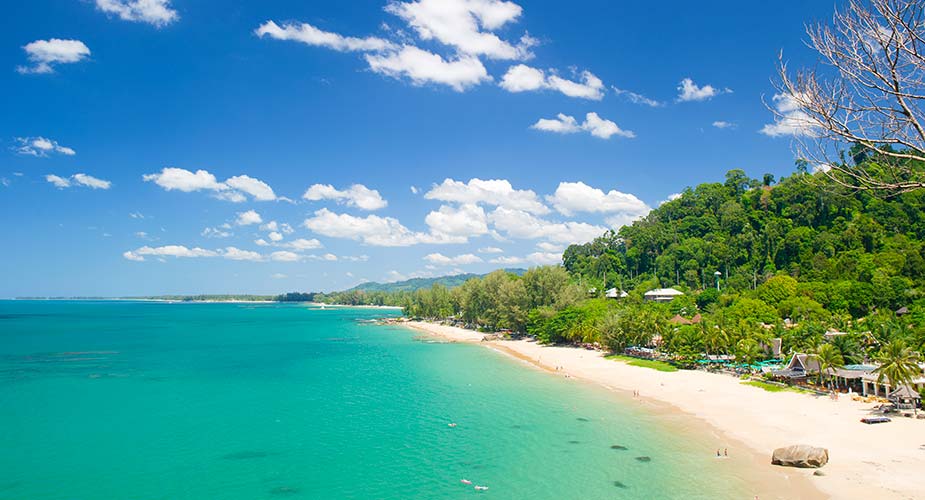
(663,294)
(613,293)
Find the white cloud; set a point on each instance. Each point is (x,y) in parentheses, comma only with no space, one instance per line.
(260,242)
(285,256)
(562,124)
(233,253)
(45,54)
(522,225)
(260,190)
(78,180)
(466,25)
(41,147)
(248,218)
(523,78)
(690,91)
(720,124)
(155,12)
(372,230)
(59,182)
(414,190)
(168,251)
(91,182)
(278,276)
(593,124)
(507,260)
(356,195)
(423,67)
(137,215)
(550,247)
(490,250)
(171,178)
(572,197)
(129,255)
(544,259)
(275,236)
(212,232)
(308,34)
(792,120)
(463,221)
(233,189)
(442,260)
(635,98)
(497,192)
(303,244)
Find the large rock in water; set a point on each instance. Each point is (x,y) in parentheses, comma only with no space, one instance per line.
(800,455)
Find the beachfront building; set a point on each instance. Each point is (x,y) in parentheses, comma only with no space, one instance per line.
(800,366)
(662,294)
(870,386)
(613,293)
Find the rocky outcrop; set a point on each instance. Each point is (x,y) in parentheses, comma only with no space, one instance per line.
(800,455)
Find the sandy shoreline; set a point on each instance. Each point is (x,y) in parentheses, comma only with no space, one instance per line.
(866,461)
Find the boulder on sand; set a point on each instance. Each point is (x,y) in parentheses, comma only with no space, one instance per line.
(800,455)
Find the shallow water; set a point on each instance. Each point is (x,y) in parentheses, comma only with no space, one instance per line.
(117,400)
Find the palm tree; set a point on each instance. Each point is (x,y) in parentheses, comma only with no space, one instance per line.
(849,348)
(829,358)
(747,352)
(898,364)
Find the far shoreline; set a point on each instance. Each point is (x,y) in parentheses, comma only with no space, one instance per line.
(865,461)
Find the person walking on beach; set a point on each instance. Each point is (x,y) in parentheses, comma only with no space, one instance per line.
(726,452)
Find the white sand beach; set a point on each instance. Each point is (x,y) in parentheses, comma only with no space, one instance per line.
(865,461)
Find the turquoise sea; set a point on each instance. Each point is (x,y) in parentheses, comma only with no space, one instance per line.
(133,400)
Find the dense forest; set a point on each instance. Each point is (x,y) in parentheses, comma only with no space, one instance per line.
(756,259)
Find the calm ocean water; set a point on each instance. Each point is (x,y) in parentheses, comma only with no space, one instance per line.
(128,400)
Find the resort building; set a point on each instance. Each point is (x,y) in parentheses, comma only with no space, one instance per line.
(662,294)
(613,293)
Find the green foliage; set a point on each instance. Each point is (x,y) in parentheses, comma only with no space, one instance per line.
(645,363)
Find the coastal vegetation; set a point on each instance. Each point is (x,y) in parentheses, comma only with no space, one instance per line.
(756,260)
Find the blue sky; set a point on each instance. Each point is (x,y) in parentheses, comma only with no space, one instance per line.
(373,140)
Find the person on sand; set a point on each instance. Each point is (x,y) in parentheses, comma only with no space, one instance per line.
(717,453)
(725,452)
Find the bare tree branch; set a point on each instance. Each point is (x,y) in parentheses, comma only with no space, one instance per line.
(869,97)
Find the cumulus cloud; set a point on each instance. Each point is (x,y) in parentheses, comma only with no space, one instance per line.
(233,253)
(791,120)
(544,258)
(178,251)
(507,260)
(522,225)
(490,250)
(82,180)
(439,259)
(593,124)
(215,232)
(423,67)
(234,189)
(465,25)
(550,247)
(308,34)
(573,197)
(248,218)
(302,244)
(45,54)
(463,221)
(690,91)
(59,182)
(523,78)
(372,230)
(357,195)
(258,189)
(41,147)
(285,256)
(155,12)
(720,124)
(496,192)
